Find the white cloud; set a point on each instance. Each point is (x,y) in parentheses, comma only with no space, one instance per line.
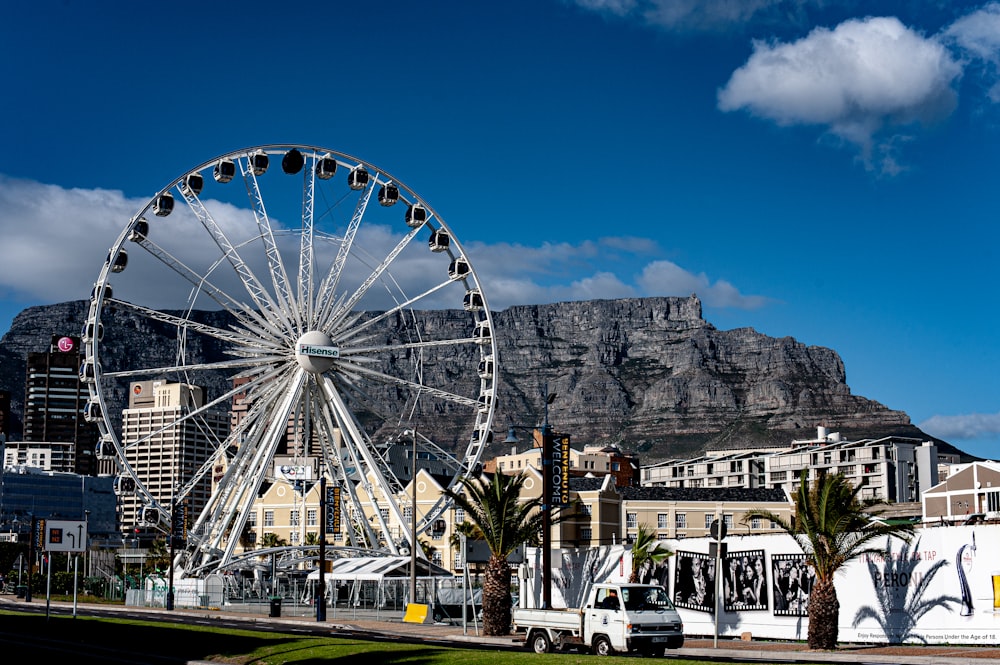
(978,32)
(665,278)
(978,35)
(858,79)
(55,241)
(682,15)
(968,426)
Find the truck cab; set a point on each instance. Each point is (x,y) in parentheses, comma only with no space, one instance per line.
(631,617)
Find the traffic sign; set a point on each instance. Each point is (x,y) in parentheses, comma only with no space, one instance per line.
(64,536)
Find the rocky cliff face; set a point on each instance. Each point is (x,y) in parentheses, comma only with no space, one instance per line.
(650,375)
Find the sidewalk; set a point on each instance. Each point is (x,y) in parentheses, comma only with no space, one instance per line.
(694,648)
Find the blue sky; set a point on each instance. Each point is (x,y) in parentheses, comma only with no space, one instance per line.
(819,170)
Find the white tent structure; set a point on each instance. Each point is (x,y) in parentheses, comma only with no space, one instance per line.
(382,583)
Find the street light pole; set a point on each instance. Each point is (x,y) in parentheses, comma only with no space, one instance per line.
(321,585)
(413,523)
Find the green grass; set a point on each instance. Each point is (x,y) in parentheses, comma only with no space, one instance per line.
(84,640)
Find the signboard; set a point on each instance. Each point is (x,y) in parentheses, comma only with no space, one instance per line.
(560,470)
(64,536)
(333,510)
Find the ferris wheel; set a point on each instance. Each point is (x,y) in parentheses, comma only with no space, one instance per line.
(313,307)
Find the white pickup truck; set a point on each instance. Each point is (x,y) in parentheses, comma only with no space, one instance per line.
(615,618)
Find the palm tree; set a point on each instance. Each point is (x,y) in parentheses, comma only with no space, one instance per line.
(499,516)
(832,525)
(646,550)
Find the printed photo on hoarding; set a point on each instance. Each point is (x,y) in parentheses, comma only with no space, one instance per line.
(694,581)
(792,581)
(744,581)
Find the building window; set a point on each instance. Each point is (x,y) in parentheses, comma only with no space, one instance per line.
(436,559)
(755,523)
(459,515)
(630,521)
(661,521)
(586,509)
(293,518)
(680,521)
(993,501)
(586,534)
(268,518)
(408,513)
(709,518)
(311,517)
(294,537)
(252,518)
(727,519)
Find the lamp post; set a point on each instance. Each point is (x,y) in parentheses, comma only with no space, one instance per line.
(413,521)
(547,496)
(321,584)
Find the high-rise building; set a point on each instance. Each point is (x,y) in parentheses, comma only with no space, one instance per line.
(54,402)
(165,450)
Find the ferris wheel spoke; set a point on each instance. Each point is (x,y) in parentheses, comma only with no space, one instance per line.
(349,351)
(306,251)
(201,284)
(324,299)
(222,364)
(346,305)
(279,276)
(231,336)
(420,388)
(260,296)
(343,334)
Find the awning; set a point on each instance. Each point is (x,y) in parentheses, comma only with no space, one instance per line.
(379,568)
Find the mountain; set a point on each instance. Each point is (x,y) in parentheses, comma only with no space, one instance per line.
(648,374)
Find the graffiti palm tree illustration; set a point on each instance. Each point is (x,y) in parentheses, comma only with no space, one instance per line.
(963,561)
(900,592)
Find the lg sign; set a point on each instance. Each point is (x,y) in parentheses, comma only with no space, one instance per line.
(65,344)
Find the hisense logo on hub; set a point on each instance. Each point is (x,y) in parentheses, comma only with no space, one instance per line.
(320,351)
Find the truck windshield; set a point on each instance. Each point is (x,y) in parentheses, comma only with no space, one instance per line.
(646,598)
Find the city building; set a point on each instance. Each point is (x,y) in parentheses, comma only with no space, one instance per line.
(55,402)
(971,493)
(892,469)
(688,512)
(29,492)
(591,461)
(165,450)
(46,456)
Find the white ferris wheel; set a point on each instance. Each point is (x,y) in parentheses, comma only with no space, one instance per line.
(297,281)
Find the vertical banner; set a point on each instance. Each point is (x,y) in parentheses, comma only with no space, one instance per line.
(694,581)
(560,469)
(332,510)
(744,581)
(792,580)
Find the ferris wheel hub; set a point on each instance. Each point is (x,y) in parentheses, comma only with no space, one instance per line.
(316,352)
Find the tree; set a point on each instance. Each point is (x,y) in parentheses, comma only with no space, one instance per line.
(499,516)
(646,550)
(833,526)
(158,556)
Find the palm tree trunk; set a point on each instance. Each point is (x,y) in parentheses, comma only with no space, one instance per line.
(496,597)
(824,615)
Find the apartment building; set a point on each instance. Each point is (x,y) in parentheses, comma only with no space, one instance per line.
(163,449)
(893,469)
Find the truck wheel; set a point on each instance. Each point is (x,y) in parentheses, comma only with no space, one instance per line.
(602,646)
(540,642)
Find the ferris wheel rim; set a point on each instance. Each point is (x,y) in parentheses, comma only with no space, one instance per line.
(102,297)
